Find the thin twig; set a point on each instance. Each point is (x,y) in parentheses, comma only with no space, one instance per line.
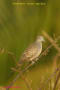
(50,46)
(24,78)
(56,81)
(2,50)
(58,69)
(51,41)
(20,73)
(55,60)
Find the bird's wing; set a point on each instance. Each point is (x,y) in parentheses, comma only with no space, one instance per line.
(30,51)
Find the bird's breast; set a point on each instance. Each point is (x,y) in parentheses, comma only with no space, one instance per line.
(36,52)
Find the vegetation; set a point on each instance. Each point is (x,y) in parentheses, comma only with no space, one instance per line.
(19,26)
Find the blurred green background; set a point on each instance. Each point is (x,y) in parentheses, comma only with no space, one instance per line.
(19,26)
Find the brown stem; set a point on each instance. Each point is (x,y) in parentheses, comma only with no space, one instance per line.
(51,41)
(24,78)
(56,81)
(18,75)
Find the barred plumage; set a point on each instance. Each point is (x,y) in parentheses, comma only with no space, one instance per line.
(33,51)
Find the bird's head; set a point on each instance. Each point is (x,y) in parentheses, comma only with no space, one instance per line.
(40,39)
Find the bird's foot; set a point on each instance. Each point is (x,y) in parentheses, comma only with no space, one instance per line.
(33,62)
(36,59)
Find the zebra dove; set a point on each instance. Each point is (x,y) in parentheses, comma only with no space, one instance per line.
(32,53)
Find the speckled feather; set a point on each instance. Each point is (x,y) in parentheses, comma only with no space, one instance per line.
(32,52)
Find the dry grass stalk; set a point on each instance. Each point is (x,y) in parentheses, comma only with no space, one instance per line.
(49,79)
(50,46)
(2,51)
(51,41)
(19,74)
(56,82)
(24,78)
(56,57)
(57,79)
(55,60)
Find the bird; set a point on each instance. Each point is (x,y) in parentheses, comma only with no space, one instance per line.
(33,51)
(31,54)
